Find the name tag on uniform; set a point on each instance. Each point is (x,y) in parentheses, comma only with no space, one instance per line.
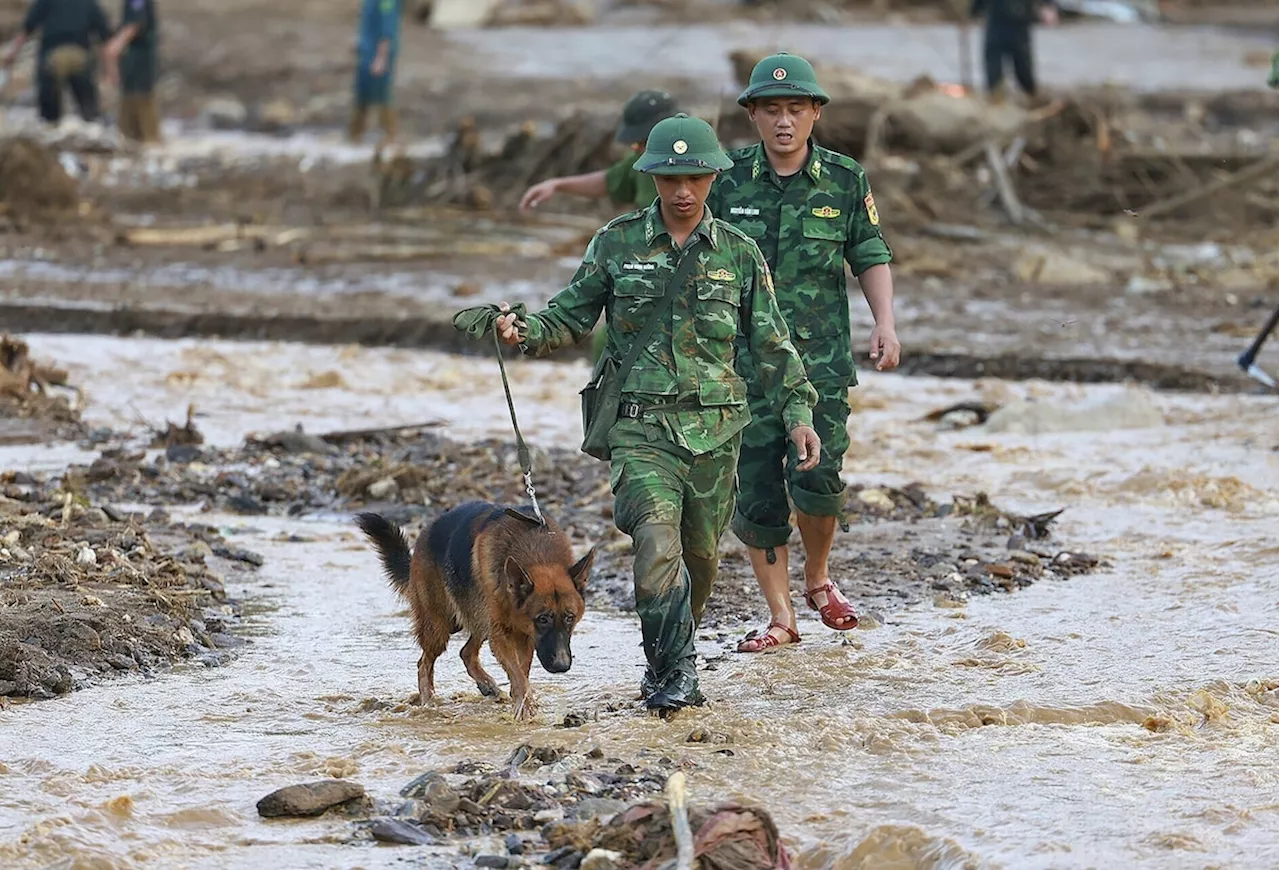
(744,209)
(639,267)
(826,212)
(720,275)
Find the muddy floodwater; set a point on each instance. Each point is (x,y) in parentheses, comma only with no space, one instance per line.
(1126,718)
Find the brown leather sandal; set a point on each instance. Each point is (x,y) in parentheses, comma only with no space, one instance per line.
(762,642)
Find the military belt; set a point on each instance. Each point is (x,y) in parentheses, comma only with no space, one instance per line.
(633,410)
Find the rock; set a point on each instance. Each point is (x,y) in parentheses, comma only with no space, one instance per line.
(1025,558)
(243,504)
(384,488)
(877,499)
(86,557)
(493,861)
(1141,285)
(999,570)
(387,830)
(602,859)
(277,114)
(184,453)
(298,441)
(514,844)
(595,753)
(453,14)
(308,799)
(1132,409)
(225,113)
(596,807)
(237,555)
(1056,267)
(431,788)
(94,518)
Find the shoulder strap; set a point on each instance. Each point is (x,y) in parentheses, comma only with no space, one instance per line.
(678,278)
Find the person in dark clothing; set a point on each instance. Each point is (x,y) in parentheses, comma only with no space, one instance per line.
(134,50)
(68,30)
(1008,35)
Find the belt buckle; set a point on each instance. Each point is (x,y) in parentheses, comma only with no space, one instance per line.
(630,410)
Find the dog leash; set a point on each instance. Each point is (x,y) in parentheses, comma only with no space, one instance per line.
(522,449)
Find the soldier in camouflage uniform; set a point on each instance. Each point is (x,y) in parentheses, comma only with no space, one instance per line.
(811,211)
(675,445)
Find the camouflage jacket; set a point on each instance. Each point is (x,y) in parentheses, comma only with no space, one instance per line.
(628,187)
(727,308)
(807,227)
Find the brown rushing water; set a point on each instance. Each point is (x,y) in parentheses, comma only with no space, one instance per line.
(1008,732)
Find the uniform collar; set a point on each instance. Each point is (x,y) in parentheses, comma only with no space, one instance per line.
(760,164)
(654,227)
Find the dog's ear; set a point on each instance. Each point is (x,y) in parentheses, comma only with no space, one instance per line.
(581,570)
(519,582)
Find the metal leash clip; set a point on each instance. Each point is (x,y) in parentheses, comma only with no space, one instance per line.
(533,497)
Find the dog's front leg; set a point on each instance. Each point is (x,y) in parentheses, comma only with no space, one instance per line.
(516,661)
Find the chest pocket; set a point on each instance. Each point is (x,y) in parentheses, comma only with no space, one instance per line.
(823,270)
(718,308)
(633,300)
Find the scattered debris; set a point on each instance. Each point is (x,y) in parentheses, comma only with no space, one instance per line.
(34,185)
(88,591)
(29,410)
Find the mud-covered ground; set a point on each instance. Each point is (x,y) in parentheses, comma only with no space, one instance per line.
(89,591)
(902,546)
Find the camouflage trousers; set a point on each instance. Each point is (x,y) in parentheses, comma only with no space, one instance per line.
(766,470)
(676,507)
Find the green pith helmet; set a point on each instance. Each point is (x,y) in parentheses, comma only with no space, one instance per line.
(641,112)
(681,145)
(783,75)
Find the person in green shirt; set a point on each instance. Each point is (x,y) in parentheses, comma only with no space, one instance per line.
(674,448)
(811,211)
(620,182)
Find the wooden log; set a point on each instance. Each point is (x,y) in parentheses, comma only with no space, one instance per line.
(1260,169)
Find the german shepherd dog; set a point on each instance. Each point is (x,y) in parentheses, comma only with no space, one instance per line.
(496,573)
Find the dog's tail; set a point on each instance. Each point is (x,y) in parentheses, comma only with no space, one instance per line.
(392,546)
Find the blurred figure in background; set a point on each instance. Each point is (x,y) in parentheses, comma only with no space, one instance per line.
(68,29)
(620,182)
(1008,35)
(376,51)
(133,52)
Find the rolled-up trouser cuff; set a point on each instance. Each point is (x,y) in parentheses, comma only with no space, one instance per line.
(817,504)
(758,536)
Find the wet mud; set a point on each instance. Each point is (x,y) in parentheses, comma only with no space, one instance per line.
(901,547)
(89,592)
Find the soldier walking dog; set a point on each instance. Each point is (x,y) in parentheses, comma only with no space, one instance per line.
(674,447)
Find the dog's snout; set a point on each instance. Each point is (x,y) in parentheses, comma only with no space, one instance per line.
(556,660)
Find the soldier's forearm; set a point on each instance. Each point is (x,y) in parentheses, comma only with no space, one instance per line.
(590,184)
(877,287)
